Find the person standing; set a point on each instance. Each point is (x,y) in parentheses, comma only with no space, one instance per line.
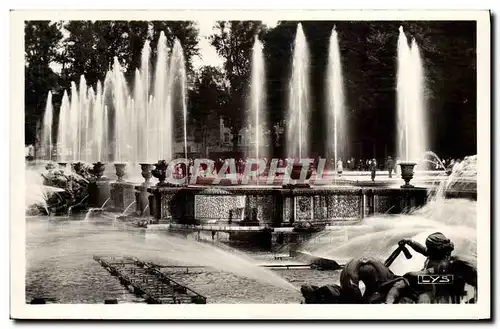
(390,166)
(373,168)
(339,167)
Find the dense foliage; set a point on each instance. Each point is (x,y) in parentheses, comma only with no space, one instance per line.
(368,52)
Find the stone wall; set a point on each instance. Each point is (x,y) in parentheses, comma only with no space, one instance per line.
(277,206)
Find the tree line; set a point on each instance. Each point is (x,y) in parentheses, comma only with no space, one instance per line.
(368,54)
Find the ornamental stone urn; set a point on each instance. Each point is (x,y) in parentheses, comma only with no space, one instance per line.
(407,171)
(120,171)
(146,169)
(77,167)
(160,172)
(98,169)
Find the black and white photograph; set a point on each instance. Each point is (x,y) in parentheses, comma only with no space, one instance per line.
(251,160)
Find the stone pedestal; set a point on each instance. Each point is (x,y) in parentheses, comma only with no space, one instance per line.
(122,195)
(141,192)
(411,198)
(142,200)
(152,206)
(159,202)
(99,193)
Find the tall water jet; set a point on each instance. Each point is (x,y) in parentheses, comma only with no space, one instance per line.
(98,124)
(105,133)
(143,101)
(139,115)
(47,129)
(74,122)
(63,130)
(336,123)
(179,83)
(82,121)
(161,114)
(255,118)
(90,140)
(298,106)
(412,128)
(120,118)
(107,122)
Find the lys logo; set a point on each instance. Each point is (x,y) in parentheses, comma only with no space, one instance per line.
(435,279)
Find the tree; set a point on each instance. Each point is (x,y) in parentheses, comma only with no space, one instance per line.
(187,34)
(41,43)
(233,41)
(368,52)
(206,101)
(92,46)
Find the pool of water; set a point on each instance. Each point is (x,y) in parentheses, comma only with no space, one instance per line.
(60,265)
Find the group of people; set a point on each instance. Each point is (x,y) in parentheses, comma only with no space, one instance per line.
(382,286)
(371,165)
(240,163)
(450,163)
(353,164)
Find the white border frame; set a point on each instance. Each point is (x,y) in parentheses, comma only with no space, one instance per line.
(19,309)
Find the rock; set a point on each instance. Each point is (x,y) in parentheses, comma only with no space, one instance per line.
(325,264)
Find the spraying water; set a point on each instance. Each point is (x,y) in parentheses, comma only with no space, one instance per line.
(255,119)
(99,126)
(63,135)
(378,236)
(105,202)
(142,100)
(128,207)
(161,116)
(337,137)
(69,243)
(47,129)
(298,106)
(36,194)
(121,123)
(412,128)
(144,210)
(180,81)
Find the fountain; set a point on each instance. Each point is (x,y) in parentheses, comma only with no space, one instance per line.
(121,123)
(46,140)
(179,80)
(256,119)
(299,99)
(142,115)
(298,116)
(412,127)
(337,125)
(133,125)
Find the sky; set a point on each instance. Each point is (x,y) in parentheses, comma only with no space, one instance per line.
(208,55)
